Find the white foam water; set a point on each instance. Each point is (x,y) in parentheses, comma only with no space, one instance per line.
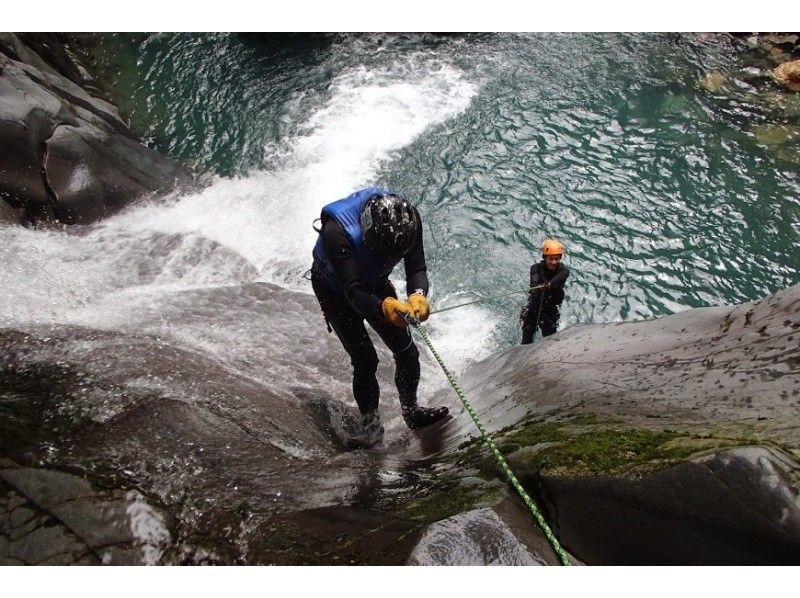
(267,217)
(147,527)
(255,227)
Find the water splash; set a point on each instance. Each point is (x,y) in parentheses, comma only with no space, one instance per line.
(148,528)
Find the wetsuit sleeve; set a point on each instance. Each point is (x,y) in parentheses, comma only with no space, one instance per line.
(560,278)
(345,266)
(535,273)
(556,292)
(414,262)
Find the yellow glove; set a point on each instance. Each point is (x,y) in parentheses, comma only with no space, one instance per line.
(419,305)
(393,310)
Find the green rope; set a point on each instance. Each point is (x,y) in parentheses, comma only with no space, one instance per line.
(484,299)
(537,515)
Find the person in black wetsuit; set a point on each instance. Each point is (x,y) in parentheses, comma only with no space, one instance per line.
(362,238)
(547,292)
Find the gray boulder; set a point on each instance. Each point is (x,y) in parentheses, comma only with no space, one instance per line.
(65,153)
(50,517)
(667,441)
(501,534)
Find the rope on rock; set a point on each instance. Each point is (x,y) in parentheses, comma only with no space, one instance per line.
(501,461)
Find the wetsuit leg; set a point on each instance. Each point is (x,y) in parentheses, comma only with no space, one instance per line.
(349,328)
(405,353)
(529,323)
(406,360)
(527,334)
(407,371)
(549,321)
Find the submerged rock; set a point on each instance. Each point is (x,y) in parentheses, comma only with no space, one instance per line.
(713,82)
(783,105)
(66,153)
(775,135)
(788,75)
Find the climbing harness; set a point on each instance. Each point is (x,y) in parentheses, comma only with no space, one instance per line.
(537,515)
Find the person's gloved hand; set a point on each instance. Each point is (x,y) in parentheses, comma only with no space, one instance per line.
(393,310)
(419,305)
(544,287)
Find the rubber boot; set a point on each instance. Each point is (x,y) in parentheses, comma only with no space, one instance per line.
(418,417)
(371,432)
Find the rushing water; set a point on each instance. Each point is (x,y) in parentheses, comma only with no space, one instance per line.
(667,195)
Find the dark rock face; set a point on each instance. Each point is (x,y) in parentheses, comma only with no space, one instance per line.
(48,52)
(65,153)
(732,507)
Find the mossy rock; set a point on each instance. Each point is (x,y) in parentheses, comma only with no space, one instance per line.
(584,445)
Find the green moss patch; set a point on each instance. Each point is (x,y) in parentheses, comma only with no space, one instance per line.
(605,450)
(446,502)
(584,445)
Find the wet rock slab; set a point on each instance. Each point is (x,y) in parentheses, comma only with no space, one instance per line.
(241,466)
(50,517)
(671,441)
(668,441)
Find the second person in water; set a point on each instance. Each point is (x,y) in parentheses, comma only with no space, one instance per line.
(546,292)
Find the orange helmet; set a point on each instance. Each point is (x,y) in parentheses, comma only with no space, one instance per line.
(552,247)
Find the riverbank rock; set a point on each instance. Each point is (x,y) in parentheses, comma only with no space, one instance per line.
(788,75)
(65,153)
(668,441)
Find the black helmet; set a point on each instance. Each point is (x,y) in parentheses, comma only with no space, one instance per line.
(389,225)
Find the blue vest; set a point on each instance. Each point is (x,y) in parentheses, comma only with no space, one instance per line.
(374,269)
